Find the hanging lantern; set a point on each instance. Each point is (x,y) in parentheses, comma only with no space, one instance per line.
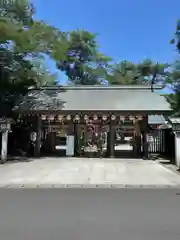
(60,118)
(95,117)
(122,118)
(43,117)
(77,118)
(113,117)
(104,117)
(86,117)
(68,117)
(131,118)
(51,117)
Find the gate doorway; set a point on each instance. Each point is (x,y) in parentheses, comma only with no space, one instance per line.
(92,140)
(124,140)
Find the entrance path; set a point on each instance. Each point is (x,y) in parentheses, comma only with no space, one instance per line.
(70,172)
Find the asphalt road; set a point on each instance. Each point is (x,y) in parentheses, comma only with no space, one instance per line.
(89,214)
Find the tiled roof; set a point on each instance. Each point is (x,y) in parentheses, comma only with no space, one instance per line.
(174,120)
(94,98)
(156,119)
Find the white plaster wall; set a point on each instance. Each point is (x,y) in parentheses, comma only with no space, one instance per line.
(4,146)
(177,149)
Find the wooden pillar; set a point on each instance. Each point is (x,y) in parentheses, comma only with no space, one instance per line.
(144,137)
(4,146)
(111,140)
(137,148)
(38,137)
(137,138)
(75,140)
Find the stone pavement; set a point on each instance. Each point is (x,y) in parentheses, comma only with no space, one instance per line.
(86,172)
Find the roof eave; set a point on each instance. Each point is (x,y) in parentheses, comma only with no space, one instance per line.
(97,87)
(127,112)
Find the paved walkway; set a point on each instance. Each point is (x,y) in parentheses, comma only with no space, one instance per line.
(56,172)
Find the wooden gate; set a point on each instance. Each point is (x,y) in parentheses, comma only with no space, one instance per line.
(156,142)
(92,140)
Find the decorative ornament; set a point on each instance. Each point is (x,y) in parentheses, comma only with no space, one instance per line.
(60,117)
(43,117)
(131,118)
(95,117)
(122,118)
(68,117)
(140,118)
(77,118)
(104,117)
(51,117)
(113,117)
(86,117)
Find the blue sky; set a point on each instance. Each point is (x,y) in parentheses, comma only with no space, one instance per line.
(127,29)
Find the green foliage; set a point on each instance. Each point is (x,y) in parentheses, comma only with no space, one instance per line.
(174,82)
(174,79)
(174,101)
(176,38)
(123,73)
(127,72)
(23,43)
(84,64)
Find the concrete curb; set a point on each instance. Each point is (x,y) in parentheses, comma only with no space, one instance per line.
(86,186)
(171,167)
